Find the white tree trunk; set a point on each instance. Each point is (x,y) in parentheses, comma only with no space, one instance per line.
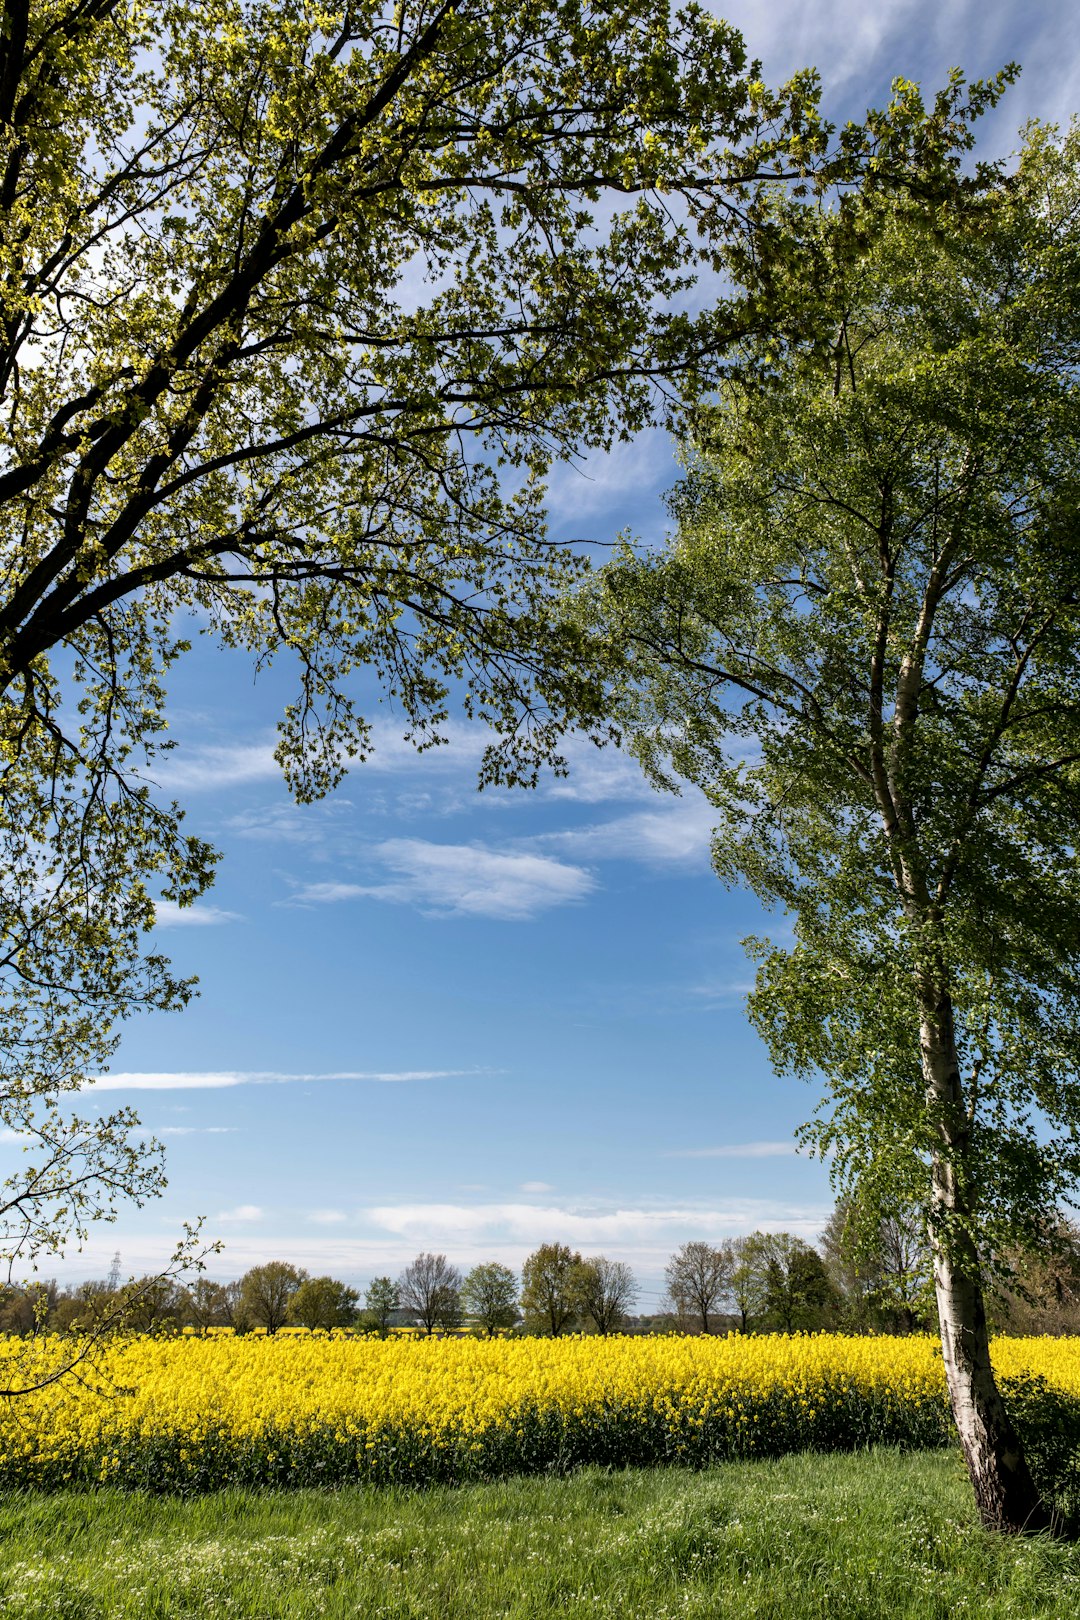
(1005,1493)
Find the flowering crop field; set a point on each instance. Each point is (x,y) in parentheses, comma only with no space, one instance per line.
(195,1414)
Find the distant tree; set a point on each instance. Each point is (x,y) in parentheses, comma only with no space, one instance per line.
(697,1278)
(266,1292)
(489,1297)
(605,1289)
(28,1311)
(548,1289)
(87,1307)
(323,1302)
(881,1266)
(212,1304)
(381,1300)
(798,1292)
(429,1289)
(157,1304)
(748,1283)
(1039,1289)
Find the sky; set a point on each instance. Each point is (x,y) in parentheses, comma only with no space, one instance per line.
(432,1018)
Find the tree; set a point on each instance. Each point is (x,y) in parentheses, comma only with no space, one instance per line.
(266,1293)
(697,1277)
(283,292)
(882,1269)
(381,1300)
(606,1289)
(1039,1292)
(157,1305)
(323,1302)
(748,1281)
(489,1296)
(213,1304)
(798,1292)
(862,645)
(430,1288)
(548,1289)
(297,306)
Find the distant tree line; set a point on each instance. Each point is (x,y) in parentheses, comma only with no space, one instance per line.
(854,1280)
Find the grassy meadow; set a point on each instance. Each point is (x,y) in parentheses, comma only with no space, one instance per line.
(878,1535)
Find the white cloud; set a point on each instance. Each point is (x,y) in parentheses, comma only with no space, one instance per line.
(242,1213)
(459,1226)
(327,1217)
(379,1241)
(597,774)
(860,48)
(602,481)
(737,1150)
(463,880)
(217,765)
(723,990)
(536,1187)
(168,914)
(678,832)
(196,1130)
(217,1079)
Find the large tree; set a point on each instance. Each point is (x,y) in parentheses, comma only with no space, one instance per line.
(864,645)
(297,303)
(489,1297)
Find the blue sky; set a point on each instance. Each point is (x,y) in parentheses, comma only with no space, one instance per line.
(471,1023)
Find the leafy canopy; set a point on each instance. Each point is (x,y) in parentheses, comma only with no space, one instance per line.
(297,303)
(863,645)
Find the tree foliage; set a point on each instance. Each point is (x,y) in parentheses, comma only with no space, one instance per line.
(863,646)
(381,1300)
(267,1292)
(297,304)
(323,1302)
(549,1297)
(489,1297)
(606,1291)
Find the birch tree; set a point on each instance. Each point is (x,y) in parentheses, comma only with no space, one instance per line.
(863,644)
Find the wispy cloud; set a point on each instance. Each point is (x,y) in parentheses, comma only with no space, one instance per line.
(737,1150)
(327,1217)
(603,482)
(536,1187)
(217,1079)
(462,1225)
(462,880)
(213,766)
(196,1130)
(676,833)
(243,1213)
(168,914)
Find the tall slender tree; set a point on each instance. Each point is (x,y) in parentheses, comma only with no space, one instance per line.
(864,645)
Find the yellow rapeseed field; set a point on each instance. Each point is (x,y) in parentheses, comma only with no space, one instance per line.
(195,1413)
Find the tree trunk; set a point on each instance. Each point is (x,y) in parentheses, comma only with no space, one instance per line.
(1005,1492)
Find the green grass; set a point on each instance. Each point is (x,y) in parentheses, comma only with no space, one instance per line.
(853,1537)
